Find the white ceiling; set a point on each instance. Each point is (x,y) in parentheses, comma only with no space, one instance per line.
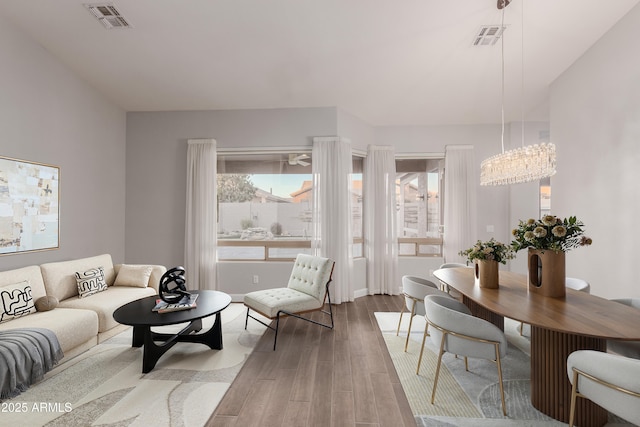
(389,62)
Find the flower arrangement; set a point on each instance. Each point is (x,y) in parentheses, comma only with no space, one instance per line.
(550,233)
(491,250)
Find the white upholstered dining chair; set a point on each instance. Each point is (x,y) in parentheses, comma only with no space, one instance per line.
(455,330)
(414,290)
(608,380)
(626,348)
(307,291)
(446,288)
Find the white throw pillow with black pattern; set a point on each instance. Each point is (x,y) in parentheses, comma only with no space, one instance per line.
(91,282)
(16,301)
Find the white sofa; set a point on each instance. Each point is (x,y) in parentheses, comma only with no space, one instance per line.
(79,323)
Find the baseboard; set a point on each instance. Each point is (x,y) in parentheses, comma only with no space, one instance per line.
(360,293)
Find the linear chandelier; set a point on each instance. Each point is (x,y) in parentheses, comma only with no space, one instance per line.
(524,164)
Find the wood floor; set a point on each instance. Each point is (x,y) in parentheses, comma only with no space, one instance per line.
(320,377)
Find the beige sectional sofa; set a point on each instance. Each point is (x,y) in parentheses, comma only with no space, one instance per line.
(79,323)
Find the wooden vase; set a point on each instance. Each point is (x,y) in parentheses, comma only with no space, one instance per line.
(486,273)
(547,272)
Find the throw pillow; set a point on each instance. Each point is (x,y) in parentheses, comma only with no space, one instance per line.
(91,282)
(16,301)
(46,303)
(133,275)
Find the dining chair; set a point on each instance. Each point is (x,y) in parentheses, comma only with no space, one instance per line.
(414,290)
(455,330)
(571,283)
(307,291)
(608,380)
(443,286)
(626,348)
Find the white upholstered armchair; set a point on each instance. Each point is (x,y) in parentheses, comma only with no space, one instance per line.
(307,291)
(456,331)
(609,380)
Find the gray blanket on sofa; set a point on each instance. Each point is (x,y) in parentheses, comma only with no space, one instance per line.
(25,356)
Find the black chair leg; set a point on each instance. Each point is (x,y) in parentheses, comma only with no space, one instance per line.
(246,320)
(275,338)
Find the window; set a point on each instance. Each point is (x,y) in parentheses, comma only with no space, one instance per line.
(356,205)
(264,205)
(545,196)
(419,205)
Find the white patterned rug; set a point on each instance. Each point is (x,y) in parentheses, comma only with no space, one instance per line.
(465,398)
(105,386)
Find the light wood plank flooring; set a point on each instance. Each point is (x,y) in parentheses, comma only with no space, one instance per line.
(320,377)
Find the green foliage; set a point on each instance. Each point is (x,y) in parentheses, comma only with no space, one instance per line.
(276,229)
(235,188)
(550,233)
(491,250)
(246,224)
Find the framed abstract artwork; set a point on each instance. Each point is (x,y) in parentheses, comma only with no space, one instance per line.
(29,206)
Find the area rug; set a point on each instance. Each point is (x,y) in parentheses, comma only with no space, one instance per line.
(464,398)
(105,386)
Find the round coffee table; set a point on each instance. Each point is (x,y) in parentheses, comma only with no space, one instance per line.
(139,314)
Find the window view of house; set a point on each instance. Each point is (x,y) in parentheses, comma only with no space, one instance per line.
(419,205)
(545,196)
(265,206)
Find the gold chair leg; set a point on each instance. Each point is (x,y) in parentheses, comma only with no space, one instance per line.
(424,338)
(521,328)
(435,381)
(400,321)
(406,343)
(466,364)
(574,395)
(504,407)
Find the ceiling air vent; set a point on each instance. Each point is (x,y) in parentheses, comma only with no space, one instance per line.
(108,15)
(488,35)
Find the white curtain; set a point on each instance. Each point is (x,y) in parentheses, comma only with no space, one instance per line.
(200,220)
(332,228)
(380,230)
(460,211)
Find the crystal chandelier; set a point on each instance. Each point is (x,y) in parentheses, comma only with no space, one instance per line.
(529,163)
(524,164)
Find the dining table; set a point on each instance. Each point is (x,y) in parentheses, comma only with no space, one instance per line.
(559,326)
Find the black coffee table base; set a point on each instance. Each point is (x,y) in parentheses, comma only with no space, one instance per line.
(144,337)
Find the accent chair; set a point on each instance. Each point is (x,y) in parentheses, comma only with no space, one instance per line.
(307,291)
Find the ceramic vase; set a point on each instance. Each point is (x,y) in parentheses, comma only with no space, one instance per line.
(546,270)
(486,273)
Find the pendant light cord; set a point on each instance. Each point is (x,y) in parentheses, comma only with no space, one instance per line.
(502,71)
(522,69)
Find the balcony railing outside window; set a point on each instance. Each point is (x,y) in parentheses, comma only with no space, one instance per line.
(286,250)
(264,206)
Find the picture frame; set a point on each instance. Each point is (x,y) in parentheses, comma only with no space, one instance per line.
(29,206)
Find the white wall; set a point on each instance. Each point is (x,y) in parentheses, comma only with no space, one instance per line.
(595,123)
(236,278)
(157,162)
(360,133)
(48,115)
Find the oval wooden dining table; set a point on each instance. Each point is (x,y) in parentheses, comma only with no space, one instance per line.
(559,326)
